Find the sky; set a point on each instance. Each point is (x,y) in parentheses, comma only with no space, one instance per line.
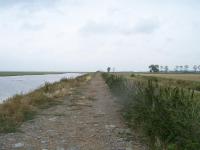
(90,35)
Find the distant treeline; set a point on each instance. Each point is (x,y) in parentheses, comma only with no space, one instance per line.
(181,68)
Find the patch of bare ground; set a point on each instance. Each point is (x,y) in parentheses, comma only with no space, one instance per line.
(88,119)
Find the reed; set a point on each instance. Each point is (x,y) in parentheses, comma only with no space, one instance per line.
(168,117)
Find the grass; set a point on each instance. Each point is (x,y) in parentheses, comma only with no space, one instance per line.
(15,73)
(183,76)
(168,116)
(20,108)
(189,81)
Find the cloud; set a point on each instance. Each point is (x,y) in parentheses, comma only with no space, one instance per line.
(9,3)
(37,3)
(92,27)
(147,26)
(28,6)
(92,34)
(32,26)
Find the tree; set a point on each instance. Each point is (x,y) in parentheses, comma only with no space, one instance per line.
(166,68)
(176,68)
(195,67)
(154,68)
(186,68)
(181,68)
(199,67)
(161,68)
(108,69)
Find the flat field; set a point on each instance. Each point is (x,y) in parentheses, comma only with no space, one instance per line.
(182,80)
(189,77)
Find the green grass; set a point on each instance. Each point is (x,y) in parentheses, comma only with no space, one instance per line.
(14,73)
(168,116)
(16,110)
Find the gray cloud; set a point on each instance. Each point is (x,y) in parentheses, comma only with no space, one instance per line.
(146,26)
(8,3)
(92,27)
(32,27)
(37,3)
(93,34)
(28,5)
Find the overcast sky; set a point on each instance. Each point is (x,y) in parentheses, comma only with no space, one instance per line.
(90,35)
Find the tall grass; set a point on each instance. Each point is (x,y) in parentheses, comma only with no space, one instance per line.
(194,85)
(16,110)
(169,117)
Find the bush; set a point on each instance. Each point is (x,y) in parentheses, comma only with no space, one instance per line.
(132,75)
(14,112)
(169,117)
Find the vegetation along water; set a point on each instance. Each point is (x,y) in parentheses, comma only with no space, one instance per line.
(167,116)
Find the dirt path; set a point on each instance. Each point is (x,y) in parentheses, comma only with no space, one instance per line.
(89,119)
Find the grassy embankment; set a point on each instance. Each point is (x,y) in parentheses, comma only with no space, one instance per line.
(15,73)
(168,116)
(20,108)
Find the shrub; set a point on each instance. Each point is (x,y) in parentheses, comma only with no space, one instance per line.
(132,75)
(169,117)
(13,112)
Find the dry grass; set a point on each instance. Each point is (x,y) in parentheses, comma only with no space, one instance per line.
(188,81)
(188,77)
(20,108)
(167,116)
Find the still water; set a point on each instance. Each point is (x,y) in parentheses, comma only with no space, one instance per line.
(12,85)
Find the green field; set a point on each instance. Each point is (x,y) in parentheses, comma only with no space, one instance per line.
(16,73)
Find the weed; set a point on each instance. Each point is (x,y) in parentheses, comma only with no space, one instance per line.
(19,108)
(132,75)
(169,117)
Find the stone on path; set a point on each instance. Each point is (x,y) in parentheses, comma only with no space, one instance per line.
(18,145)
